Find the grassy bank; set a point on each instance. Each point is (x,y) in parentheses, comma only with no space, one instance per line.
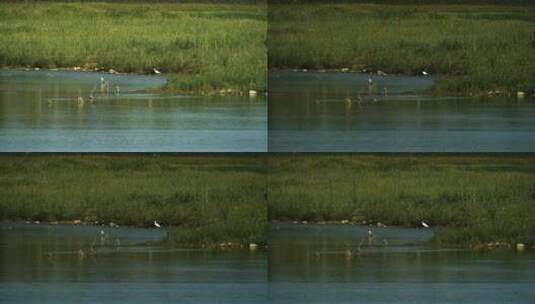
(200,47)
(468,200)
(473,49)
(206,199)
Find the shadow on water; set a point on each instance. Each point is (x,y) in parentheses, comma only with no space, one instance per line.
(311,264)
(352,112)
(70,263)
(100,112)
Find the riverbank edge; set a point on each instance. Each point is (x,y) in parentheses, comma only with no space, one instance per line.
(432,91)
(495,245)
(217,246)
(164,89)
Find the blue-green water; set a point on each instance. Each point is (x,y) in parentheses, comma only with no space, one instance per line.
(337,264)
(41,111)
(77,264)
(339,112)
(305,264)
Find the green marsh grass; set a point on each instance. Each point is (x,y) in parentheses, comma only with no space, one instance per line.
(204,199)
(472,49)
(201,47)
(468,200)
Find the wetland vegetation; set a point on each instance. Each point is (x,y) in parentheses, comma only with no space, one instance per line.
(200,47)
(201,200)
(472,49)
(468,200)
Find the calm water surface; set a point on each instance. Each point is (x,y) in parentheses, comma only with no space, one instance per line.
(331,111)
(337,264)
(40,111)
(45,264)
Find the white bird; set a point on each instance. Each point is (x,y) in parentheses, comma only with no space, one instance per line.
(104,85)
(425,73)
(425,224)
(371,85)
(157,225)
(156,71)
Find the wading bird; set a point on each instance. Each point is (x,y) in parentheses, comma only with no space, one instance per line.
(104,85)
(157,225)
(371,85)
(371,237)
(370,234)
(424,224)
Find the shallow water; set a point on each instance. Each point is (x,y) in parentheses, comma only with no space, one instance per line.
(312,264)
(308,112)
(43,264)
(40,111)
